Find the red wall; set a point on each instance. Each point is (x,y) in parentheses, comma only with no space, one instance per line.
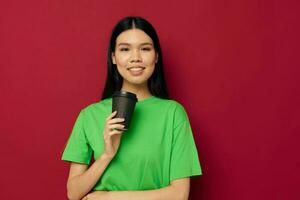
(232,64)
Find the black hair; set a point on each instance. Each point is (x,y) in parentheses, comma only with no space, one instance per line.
(156,83)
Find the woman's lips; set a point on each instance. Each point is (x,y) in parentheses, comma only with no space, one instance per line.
(136,71)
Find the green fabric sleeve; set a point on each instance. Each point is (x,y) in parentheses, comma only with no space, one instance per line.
(184,155)
(77,148)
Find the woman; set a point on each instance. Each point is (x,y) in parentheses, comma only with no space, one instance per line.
(156,156)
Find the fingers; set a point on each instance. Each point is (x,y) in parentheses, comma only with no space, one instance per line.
(111,120)
(111,133)
(115,132)
(116,126)
(113,125)
(115,120)
(111,115)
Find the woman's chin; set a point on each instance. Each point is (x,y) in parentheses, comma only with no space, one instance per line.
(136,81)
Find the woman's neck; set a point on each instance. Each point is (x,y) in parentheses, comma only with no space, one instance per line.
(142,92)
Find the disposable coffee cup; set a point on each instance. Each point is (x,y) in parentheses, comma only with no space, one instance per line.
(124,103)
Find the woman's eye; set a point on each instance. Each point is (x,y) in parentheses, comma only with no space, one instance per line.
(146,49)
(124,49)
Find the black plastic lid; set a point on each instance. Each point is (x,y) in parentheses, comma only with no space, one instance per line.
(125,94)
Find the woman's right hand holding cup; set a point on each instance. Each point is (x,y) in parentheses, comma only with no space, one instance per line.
(112,134)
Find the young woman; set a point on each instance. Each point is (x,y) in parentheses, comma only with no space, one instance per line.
(156,156)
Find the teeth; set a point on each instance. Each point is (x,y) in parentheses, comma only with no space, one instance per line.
(136,69)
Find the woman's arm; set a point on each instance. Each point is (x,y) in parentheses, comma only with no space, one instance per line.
(177,190)
(82,179)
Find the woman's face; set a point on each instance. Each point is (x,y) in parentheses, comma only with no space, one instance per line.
(134,56)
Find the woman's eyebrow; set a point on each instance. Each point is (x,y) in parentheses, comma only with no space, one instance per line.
(145,43)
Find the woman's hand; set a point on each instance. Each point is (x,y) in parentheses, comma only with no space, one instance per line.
(112,134)
(96,195)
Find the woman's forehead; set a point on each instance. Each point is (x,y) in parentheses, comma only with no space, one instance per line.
(133,37)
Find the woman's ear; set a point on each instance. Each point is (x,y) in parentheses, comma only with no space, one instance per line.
(113,58)
(156,59)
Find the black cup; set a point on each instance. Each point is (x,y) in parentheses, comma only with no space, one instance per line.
(124,103)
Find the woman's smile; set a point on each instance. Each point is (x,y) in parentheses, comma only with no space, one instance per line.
(136,71)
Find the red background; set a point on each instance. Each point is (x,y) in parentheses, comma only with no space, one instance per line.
(234,65)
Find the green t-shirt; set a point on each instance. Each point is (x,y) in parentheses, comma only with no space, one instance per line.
(157,148)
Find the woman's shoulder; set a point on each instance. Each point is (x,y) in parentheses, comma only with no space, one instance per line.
(178,110)
(175,104)
(103,104)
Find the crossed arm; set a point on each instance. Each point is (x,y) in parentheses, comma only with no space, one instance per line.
(178,190)
(82,179)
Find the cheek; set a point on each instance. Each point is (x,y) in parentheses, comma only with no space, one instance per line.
(122,59)
(150,59)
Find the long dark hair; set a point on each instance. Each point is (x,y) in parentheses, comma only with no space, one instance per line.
(156,83)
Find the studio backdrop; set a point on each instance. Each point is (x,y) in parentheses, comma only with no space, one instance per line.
(232,64)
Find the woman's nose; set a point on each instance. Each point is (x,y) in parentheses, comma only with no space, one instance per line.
(135,56)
